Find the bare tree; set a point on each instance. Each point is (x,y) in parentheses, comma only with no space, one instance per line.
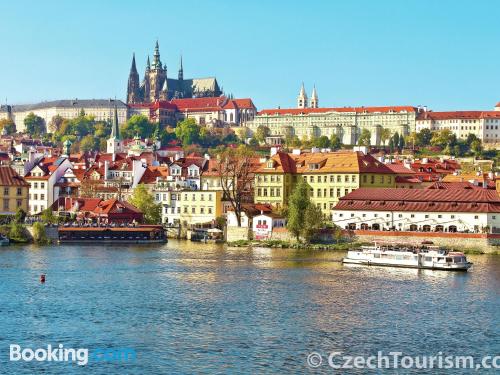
(236,176)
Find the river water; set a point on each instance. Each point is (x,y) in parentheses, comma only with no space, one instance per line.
(189,308)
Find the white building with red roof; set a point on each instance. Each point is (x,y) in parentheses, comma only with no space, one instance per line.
(425,210)
(43,175)
(345,122)
(485,125)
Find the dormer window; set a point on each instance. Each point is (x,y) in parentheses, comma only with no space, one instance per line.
(270,164)
(313,166)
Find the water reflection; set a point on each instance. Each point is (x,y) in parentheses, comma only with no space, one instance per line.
(204,308)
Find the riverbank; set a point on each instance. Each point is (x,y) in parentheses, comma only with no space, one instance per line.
(343,246)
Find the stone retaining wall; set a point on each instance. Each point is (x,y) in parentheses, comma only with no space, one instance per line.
(466,241)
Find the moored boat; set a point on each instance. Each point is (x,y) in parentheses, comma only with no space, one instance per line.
(422,257)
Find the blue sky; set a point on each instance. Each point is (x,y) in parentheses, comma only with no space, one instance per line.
(443,54)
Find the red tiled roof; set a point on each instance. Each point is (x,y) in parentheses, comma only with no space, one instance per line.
(407,180)
(440,185)
(115,206)
(152,173)
(305,111)
(462,115)
(421,200)
(208,103)
(9,177)
(399,169)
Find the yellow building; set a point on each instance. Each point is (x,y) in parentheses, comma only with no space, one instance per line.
(14,191)
(330,175)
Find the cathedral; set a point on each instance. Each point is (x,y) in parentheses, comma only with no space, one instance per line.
(157,86)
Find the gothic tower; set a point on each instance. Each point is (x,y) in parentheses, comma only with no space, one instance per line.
(302,98)
(314,98)
(157,76)
(133,89)
(145,83)
(181,71)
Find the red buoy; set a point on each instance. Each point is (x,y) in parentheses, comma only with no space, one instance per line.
(42,278)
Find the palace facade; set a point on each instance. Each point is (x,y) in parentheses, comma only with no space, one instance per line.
(310,121)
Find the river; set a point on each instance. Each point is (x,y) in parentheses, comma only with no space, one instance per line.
(190,308)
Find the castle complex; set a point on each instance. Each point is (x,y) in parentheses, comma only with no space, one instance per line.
(156,86)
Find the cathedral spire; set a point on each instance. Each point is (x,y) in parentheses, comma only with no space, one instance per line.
(115,129)
(148,65)
(133,68)
(181,71)
(156,57)
(133,91)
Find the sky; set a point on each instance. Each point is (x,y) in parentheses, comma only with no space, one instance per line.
(443,54)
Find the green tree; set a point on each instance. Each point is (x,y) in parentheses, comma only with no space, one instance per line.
(313,220)
(89,143)
(385,135)
(401,144)
(8,125)
(55,123)
(144,201)
(19,216)
(35,125)
(476,147)
(365,138)
(391,145)
(423,138)
(297,206)
(262,133)
(395,140)
(39,233)
(48,216)
(335,142)
(322,142)
(16,232)
(444,138)
(137,125)
(187,132)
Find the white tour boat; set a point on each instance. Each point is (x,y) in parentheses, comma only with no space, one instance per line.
(424,257)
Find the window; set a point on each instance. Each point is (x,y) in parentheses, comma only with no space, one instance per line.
(372,179)
(35,185)
(265,192)
(42,197)
(338,193)
(6,204)
(19,203)
(346,191)
(319,193)
(202,210)
(331,193)
(339,178)
(193,210)
(476,217)
(271,192)
(364,178)
(209,210)
(332,178)
(202,197)
(278,192)
(259,192)
(353,178)
(35,196)
(42,185)
(346,178)
(5,191)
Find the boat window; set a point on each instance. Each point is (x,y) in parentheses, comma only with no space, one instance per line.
(428,259)
(376,255)
(449,260)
